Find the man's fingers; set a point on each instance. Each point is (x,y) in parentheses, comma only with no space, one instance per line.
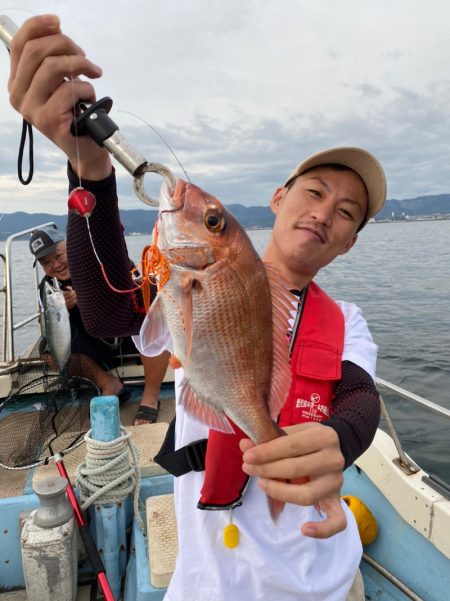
(334,522)
(34,55)
(59,108)
(278,448)
(245,444)
(314,464)
(37,86)
(306,493)
(301,440)
(36,27)
(48,81)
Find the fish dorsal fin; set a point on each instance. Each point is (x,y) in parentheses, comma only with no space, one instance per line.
(202,411)
(283,302)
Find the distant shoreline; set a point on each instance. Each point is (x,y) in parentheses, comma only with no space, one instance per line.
(250,228)
(411,220)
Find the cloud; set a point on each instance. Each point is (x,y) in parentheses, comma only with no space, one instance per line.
(243,91)
(368,90)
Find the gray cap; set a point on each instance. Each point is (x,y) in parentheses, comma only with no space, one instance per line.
(44,241)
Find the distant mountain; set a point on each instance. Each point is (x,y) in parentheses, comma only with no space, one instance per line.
(12,223)
(424,206)
(141,221)
(137,221)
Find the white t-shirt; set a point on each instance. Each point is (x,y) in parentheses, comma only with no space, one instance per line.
(271,562)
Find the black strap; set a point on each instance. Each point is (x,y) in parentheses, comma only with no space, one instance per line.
(26,128)
(187,459)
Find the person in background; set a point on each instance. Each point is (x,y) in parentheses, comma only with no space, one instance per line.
(319,211)
(93,357)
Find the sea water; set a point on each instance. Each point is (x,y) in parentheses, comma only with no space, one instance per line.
(398,273)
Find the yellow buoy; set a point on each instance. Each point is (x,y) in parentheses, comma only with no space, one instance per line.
(367,524)
(231,536)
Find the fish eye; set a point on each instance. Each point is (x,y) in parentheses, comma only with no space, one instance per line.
(214,220)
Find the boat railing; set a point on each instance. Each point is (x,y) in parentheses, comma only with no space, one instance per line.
(3,291)
(404,462)
(434,407)
(9,326)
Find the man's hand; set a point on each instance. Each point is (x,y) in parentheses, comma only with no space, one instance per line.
(70,296)
(304,468)
(44,85)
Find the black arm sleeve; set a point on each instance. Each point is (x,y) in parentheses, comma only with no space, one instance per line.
(356,411)
(105,313)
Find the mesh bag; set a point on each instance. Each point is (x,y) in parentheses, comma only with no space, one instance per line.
(46,412)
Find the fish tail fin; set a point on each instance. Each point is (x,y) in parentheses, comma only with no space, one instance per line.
(275,508)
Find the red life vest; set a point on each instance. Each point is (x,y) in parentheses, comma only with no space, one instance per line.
(315,366)
(316,360)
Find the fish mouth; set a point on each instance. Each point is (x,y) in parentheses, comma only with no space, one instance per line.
(314,230)
(171,200)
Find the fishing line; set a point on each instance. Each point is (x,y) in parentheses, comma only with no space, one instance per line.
(102,267)
(154,267)
(154,130)
(78,161)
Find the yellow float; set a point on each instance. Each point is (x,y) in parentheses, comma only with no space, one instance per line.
(367,524)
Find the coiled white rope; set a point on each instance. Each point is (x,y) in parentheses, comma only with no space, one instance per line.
(107,476)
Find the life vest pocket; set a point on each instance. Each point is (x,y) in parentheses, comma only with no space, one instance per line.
(318,361)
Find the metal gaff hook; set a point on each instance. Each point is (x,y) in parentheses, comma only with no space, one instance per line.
(138,182)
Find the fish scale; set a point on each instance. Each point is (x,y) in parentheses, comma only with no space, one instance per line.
(229,364)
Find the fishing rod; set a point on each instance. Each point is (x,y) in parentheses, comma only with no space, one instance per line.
(94,121)
(85,533)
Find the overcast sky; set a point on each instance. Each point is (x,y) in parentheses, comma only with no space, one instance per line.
(242,90)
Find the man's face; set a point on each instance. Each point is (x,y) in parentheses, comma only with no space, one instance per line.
(317,219)
(55,264)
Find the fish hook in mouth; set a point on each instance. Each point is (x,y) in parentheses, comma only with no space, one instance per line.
(138,183)
(172,199)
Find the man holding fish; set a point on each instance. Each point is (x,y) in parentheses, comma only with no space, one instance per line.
(323,396)
(89,356)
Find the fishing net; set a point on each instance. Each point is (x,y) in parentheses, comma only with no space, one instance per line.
(46,412)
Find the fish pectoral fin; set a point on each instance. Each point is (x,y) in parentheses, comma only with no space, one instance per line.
(203,411)
(174,362)
(283,302)
(189,282)
(154,326)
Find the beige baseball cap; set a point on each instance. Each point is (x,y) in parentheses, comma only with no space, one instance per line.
(362,162)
